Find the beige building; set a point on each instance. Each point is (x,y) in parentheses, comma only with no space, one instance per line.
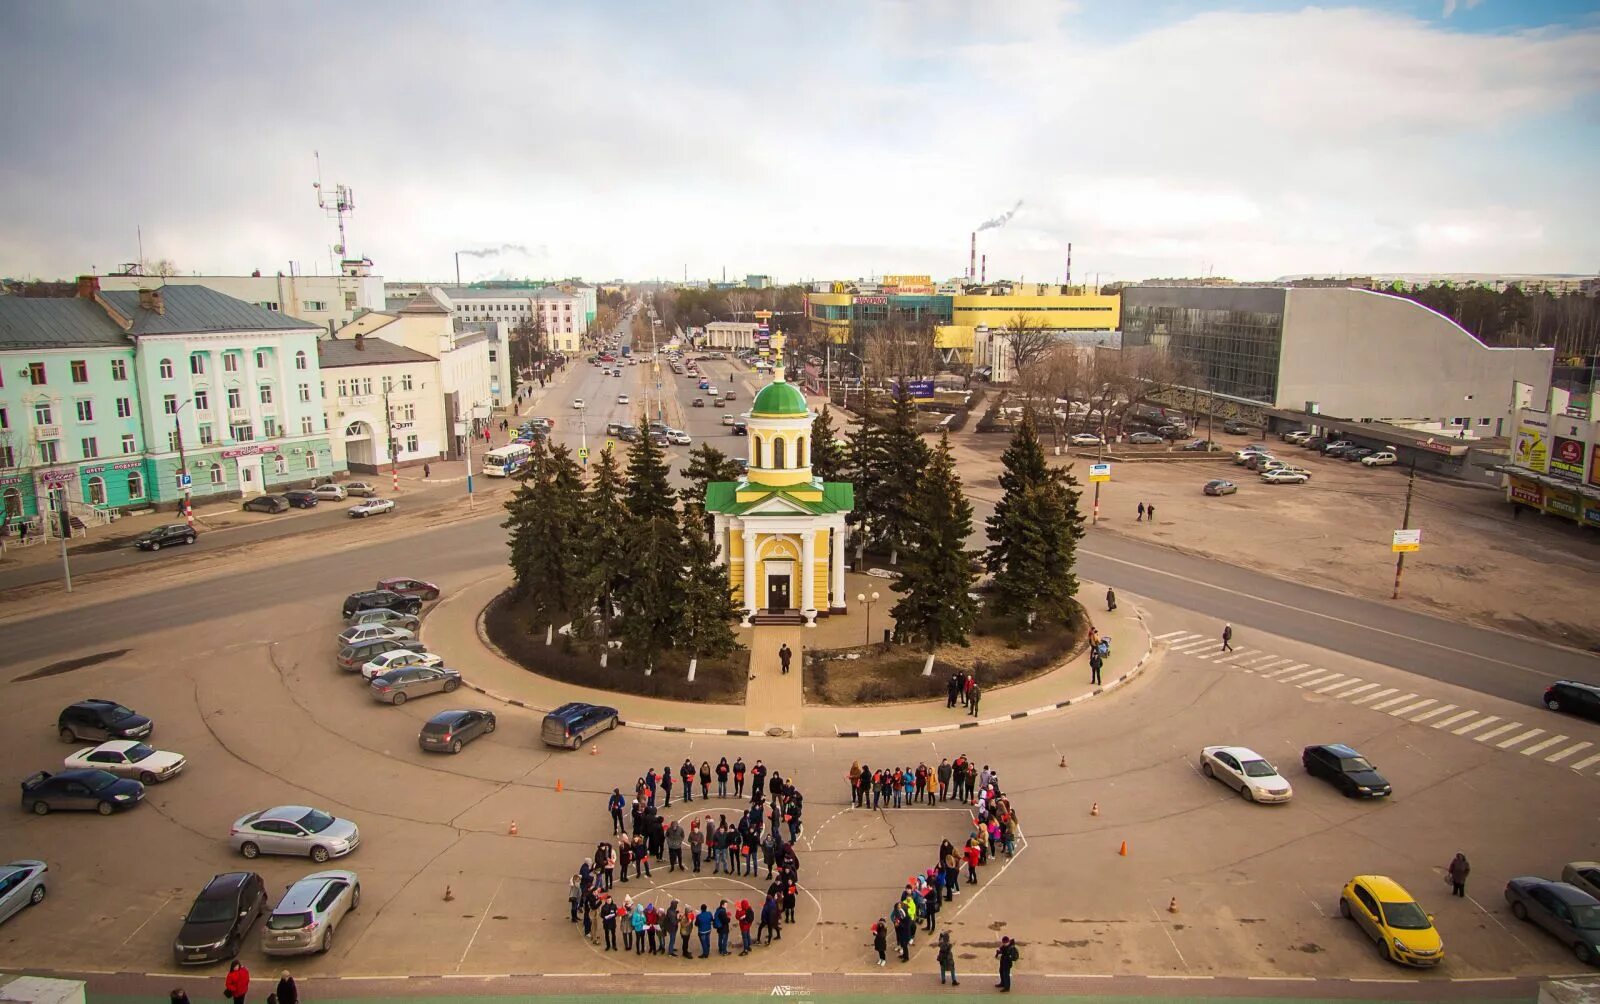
(328,301)
(730,335)
(383,402)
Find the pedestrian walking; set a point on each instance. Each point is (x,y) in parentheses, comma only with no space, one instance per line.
(1111,600)
(427,471)
(972,699)
(1008,955)
(1227,637)
(947,959)
(1150,513)
(615,804)
(236,985)
(288,992)
(784,655)
(1459,869)
(1095,662)
(1141,513)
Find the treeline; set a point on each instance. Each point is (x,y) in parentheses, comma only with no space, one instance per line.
(688,307)
(1512,318)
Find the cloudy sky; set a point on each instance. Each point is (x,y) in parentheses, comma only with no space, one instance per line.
(1160,137)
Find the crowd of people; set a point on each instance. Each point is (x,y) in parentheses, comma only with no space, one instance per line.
(963,687)
(760,834)
(900,787)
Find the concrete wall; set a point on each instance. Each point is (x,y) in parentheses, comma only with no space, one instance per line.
(1360,354)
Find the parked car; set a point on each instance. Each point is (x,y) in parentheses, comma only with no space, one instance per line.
(1258,461)
(1583,874)
(1220,487)
(1315,443)
(1345,769)
(303,922)
(1566,912)
(450,730)
(1246,771)
(294,829)
(1200,446)
(219,920)
(577,404)
(1359,453)
(272,504)
(372,632)
(371,507)
(398,659)
(22,884)
(301,498)
(1581,699)
(100,790)
(679,437)
(420,588)
(361,489)
(1296,436)
(1242,457)
(373,599)
(330,492)
(1387,914)
(740,429)
(622,399)
(571,725)
(1382,458)
(1283,476)
(1085,439)
(1145,439)
(1235,427)
(165,536)
(99,719)
(1172,432)
(698,402)
(393,618)
(1337,448)
(398,686)
(128,758)
(352,657)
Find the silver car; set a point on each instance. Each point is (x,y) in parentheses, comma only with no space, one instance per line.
(21,884)
(363,633)
(304,921)
(294,829)
(399,685)
(361,489)
(387,618)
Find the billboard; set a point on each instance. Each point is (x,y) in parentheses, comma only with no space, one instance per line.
(1531,449)
(1528,492)
(1594,464)
(1566,458)
(918,389)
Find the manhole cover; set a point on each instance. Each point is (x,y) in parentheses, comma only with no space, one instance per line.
(775,731)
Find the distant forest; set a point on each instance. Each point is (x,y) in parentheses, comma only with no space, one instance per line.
(1570,323)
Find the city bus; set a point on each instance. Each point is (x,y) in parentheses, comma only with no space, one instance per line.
(506,460)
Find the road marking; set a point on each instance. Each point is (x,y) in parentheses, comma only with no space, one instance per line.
(1226,654)
(485,916)
(1412,707)
(1557,758)
(1453,719)
(1502,730)
(1443,709)
(1391,702)
(1081,976)
(1368,979)
(1288,979)
(1542,746)
(1261,666)
(1177,976)
(1286,669)
(1307,674)
(1170,635)
(1344,694)
(1371,697)
(1587,762)
(1193,644)
(1481,979)
(1480,723)
(1263,660)
(1347,682)
(1514,740)
(1316,681)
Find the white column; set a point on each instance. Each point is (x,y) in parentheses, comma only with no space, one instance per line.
(750,603)
(720,532)
(808,568)
(838,565)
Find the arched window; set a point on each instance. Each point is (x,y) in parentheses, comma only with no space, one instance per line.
(97,490)
(300,360)
(11,501)
(758,452)
(780,451)
(135,485)
(800,459)
(216,474)
(166,369)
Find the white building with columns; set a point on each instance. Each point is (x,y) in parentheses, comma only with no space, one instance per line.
(779,530)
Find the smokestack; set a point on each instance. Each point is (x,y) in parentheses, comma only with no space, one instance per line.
(458,268)
(1069,265)
(972,264)
(983,274)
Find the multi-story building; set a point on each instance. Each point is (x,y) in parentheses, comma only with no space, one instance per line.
(329,301)
(1555,460)
(107,399)
(730,335)
(840,316)
(384,402)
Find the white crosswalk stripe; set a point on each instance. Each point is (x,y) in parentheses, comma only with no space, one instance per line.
(1348,682)
(1218,658)
(1391,702)
(1436,712)
(1363,699)
(1569,751)
(1514,740)
(1262,660)
(1481,723)
(1170,635)
(1342,695)
(1317,681)
(1286,669)
(1319,671)
(1407,709)
(1497,733)
(1540,747)
(1192,644)
(1454,719)
(1271,663)
(1587,762)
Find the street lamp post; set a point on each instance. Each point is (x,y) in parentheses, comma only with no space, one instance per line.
(472,413)
(183,465)
(868,601)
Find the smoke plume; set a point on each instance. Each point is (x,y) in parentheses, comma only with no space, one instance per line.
(1001,220)
(504,249)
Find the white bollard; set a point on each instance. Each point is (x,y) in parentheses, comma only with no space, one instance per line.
(603,657)
(549,634)
(692,663)
(927,667)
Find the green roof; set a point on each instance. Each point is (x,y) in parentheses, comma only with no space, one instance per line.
(779,398)
(837,496)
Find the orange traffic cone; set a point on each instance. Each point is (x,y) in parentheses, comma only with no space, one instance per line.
(1094,810)
(1063,759)
(558,784)
(1124,850)
(1172,907)
(594,751)
(514,828)
(448,895)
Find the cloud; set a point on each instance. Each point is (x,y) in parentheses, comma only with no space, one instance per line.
(1450,6)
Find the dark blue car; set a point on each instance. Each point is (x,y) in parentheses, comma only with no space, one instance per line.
(573,724)
(100,790)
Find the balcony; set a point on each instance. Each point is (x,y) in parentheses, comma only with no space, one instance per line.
(41,433)
(238,414)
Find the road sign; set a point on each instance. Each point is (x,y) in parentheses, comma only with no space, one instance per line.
(611,444)
(1407,540)
(583,453)
(1099,472)
(184,480)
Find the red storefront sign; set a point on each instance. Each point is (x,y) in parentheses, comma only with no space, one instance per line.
(1566,458)
(1594,464)
(249,451)
(1527,491)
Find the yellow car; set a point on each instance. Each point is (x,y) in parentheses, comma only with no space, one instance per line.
(1403,931)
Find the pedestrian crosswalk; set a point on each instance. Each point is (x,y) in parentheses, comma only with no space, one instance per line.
(1476,726)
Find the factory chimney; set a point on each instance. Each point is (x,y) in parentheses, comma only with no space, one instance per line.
(972,263)
(1069,267)
(983,274)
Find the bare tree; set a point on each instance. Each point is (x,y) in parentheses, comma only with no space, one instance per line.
(1054,386)
(1028,341)
(900,349)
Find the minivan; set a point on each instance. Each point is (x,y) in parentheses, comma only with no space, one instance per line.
(571,725)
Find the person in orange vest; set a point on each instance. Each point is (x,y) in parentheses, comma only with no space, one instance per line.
(237,983)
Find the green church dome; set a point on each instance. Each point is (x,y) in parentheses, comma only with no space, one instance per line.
(779,400)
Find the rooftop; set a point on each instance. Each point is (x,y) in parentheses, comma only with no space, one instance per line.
(57,323)
(333,353)
(197,310)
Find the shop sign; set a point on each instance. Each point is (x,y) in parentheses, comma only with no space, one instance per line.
(1527,491)
(874,301)
(1406,541)
(7,482)
(1591,513)
(1594,464)
(249,451)
(125,465)
(57,477)
(1566,458)
(1531,450)
(1562,502)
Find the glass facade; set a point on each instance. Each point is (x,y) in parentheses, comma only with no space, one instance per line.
(1231,336)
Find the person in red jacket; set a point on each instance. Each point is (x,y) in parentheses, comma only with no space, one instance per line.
(237,983)
(971,853)
(746,916)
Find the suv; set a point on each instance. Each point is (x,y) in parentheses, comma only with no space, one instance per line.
(221,916)
(301,498)
(571,724)
(371,599)
(305,919)
(1582,699)
(100,720)
(352,657)
(162,536)
(1234,427)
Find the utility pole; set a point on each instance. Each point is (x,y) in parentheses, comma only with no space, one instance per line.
(183,467)
(394,453)
(471,431)
(58,503)
(1405,524)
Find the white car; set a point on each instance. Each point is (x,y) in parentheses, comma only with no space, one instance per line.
(577,402)
(622,399)
(371,507)
(373,632)
(1247,772)
(331,493)
(1085,439)
(712,390)
(126,758)
(397,659)
(1382,458)
(294,829)
(1283,476)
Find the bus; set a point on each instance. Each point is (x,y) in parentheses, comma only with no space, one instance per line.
(506,460)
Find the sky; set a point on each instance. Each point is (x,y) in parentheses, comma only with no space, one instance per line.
(804,141)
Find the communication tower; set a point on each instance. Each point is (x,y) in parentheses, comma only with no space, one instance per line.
(341,204)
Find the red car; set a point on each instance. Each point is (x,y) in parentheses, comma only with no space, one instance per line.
(411,587)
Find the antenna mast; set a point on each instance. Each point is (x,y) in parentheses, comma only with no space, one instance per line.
(341,204)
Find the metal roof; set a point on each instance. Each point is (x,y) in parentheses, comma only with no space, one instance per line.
(197,310)
(57,323)
(333,353)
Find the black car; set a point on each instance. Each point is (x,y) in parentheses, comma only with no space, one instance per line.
(1345,769)
(267,503)
(1582,699)
(100,790)
(220,918)
(352,657)
(372,599)
(570,725)
(1235,428)
(1566,912)
(165,536)
(1199,446)
(1315,443)
(450,730)
(1355,455)
(100,720)
(300,498)
(740,429)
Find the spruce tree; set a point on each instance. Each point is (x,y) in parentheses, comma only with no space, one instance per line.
(706,464)
(605,542)
(904,459)
(1033,533)
(649,494)
(705,625)
(544,520)
(864,469)
(827,456)
(652,593)
(936,574)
